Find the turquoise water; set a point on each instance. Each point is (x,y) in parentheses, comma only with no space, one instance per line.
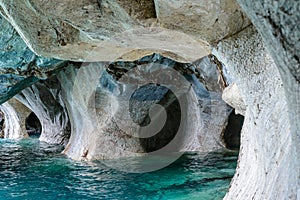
(30,169)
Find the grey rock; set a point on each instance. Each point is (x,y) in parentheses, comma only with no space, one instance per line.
(105,30)
(45,100)
(211,20)
(109,107)
(232,96)
(20,67)
(266,167)
(92,30)
(15,114)
(278,24)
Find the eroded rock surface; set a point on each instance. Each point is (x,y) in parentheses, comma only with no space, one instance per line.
(121,30)
(45,100)
(71,30)
(208,20)
(267,140)
(232,96)
(15,114)
(278,23)
(19,66)
(109,107)
(96,31)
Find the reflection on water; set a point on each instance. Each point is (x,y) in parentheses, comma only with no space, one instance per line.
(30,169)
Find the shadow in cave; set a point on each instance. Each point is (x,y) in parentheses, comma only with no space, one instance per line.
(168,101)
(1,124)
(33,126)
(232,134)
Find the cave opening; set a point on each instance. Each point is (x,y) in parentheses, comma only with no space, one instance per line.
(33,126)
(232,133)
(157,95)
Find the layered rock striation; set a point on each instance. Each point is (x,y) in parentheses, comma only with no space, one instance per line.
(45,100)
(19,66)
(14,115)
(266,140)
(263,61)
(114,113)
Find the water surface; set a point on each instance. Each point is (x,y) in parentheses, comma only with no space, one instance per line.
(30,169)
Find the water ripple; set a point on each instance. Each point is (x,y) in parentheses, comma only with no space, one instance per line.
(30,169)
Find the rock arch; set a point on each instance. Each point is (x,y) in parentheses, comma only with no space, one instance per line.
(15,114)
(112,138)
(45,100)
(33,125)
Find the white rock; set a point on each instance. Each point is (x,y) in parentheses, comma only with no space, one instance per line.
(266,166)
(15,114)
(232,96)
(45,100)
(207,20)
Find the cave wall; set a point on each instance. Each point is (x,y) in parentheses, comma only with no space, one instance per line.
(105,119)
(232,96)
(265,66)
(278,23)
(44,99)
(15,114)
(267,142)
(19,66)
(93,30)
(210,21)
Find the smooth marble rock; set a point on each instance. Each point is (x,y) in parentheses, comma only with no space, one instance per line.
(110,103)
(19,66)
(45,100)
(232,96)
(15,114)
(93,30)
(265,68)
(278,24)
(266,167)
